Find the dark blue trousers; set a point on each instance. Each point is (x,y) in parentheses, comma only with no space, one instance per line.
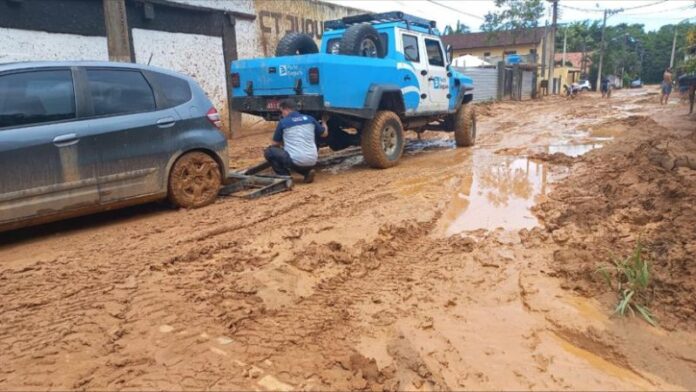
(281,163)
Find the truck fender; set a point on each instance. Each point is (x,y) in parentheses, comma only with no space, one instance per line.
(465,94)
(376,92)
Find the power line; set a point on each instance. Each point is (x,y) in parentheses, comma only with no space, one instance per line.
(456,10)
(662,11)
(601,10)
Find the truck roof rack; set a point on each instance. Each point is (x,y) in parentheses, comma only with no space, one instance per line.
(394,16)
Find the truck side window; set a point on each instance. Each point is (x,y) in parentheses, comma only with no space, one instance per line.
(411,52)
(36,97)
(434,53)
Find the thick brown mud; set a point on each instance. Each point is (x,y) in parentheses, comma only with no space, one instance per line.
(457,269)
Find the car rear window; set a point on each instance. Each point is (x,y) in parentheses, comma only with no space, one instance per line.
(119,92)
(175,90)
(36,97)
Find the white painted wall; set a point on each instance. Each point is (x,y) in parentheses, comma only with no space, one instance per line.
(246,30)
(198,56)
(28,45)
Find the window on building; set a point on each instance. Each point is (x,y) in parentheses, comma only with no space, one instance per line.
(434,50)
(36,97)
(532,51)
(175,90)
(119,92)
(486,54)
(507,52)
(411,51)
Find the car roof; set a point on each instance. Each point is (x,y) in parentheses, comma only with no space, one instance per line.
(26,65)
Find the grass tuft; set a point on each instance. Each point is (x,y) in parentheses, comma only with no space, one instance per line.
(630,278)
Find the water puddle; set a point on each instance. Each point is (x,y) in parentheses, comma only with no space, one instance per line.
(499,193)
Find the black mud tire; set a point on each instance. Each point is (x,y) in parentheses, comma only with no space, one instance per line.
(194,180)
(296,43)
(361,40)
(464,124)
(382,140)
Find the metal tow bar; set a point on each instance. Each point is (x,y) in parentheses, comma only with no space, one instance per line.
(250,185)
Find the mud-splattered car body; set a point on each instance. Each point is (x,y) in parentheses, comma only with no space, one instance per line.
(80,137)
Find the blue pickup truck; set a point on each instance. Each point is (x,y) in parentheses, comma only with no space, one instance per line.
(373,76)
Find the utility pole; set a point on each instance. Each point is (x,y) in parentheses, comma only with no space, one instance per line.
(601,52)
(565,44)
(674,46)
(553,45)
(116,24)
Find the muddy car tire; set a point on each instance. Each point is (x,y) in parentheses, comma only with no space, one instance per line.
(464,125)
(362,40)
(296,43)
(194,180)
(382,140)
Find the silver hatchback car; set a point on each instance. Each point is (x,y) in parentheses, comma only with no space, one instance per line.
(80,137)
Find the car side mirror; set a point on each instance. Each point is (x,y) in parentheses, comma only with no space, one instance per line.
(450,53)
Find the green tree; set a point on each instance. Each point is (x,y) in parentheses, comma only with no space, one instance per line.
(513,15)
(461,28)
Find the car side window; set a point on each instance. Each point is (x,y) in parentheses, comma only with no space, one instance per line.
(116,91)
(434,50)
(36,97)
(411,51)
(175,90)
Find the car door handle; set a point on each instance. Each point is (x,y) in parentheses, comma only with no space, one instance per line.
(66,140)
(166,122)
(430,79)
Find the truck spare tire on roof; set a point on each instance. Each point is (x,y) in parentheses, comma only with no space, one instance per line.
(362,40)
(296,43)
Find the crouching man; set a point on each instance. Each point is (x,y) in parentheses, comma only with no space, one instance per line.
(294,143)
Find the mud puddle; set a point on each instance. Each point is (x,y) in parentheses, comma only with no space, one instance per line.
(498,192)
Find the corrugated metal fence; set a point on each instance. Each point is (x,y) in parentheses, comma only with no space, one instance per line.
(490,84)
(485,82)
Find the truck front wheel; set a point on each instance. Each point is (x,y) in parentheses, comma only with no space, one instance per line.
(382,140)
(464,125)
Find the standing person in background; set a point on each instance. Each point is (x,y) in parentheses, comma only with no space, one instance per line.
(294,143)
(605,88)
(666,86)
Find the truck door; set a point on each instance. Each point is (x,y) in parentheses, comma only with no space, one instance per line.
(438,82)
(415,62)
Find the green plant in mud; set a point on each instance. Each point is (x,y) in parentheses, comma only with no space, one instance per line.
(630,277)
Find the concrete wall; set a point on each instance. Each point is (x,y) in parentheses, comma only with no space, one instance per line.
(497,51)
(275,18)
(198,56)
(28,45)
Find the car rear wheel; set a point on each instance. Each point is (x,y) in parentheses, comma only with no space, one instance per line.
(194,180)
(465,126)
(362,40)
(382,140)
(296,43)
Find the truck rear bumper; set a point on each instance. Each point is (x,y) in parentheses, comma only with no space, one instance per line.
(267,106)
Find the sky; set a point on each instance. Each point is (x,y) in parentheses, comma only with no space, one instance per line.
(471,12)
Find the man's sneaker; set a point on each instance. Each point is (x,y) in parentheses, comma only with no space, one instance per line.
(309,177)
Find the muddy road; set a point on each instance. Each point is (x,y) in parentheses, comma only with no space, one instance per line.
(457,269)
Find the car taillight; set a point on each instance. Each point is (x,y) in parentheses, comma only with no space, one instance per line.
(214,118)
(314,75)
(235,80)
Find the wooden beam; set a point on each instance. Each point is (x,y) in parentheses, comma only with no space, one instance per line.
(116,23)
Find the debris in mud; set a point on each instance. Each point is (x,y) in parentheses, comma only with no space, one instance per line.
(557,158)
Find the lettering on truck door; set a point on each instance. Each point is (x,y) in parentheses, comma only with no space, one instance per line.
(438,82)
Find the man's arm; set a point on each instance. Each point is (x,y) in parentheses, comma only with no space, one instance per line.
(278,135)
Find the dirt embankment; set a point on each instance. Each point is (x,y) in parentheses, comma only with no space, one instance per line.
(639,188)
